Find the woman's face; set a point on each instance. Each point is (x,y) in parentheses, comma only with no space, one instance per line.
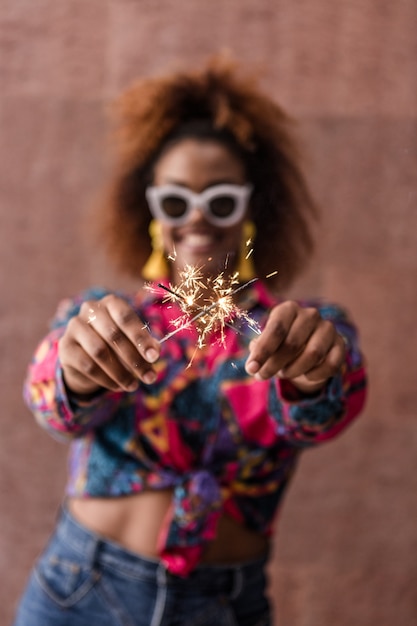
(197,165)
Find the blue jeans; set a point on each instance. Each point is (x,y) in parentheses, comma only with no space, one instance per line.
(83,580)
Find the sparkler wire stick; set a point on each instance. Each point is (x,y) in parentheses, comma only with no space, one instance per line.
(203,310)
(181,297)
(186,324)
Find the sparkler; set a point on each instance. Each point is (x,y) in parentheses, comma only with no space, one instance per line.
(208,304)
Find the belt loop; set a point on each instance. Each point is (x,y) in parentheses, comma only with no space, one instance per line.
(237,583)
(94,548)
(161,595)
(161,575)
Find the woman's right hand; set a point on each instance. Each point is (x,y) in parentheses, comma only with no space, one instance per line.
(107,346)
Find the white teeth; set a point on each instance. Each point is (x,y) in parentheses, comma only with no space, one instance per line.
(198,239)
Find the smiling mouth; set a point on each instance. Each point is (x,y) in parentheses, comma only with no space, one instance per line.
(198,241)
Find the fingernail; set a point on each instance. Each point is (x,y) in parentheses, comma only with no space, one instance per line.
(252,367)
(132,386)
(149,378)
(151,355)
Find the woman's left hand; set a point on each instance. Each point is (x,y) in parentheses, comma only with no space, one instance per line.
(299,345)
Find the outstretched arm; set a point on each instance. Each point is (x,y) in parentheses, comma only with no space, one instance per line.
(97,351)
(297,344)
(311,356)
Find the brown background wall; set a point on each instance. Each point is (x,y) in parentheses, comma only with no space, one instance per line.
(346,550)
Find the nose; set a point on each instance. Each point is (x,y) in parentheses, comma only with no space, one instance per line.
(196,214)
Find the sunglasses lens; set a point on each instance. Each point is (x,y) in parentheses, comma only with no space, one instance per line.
(174,206)
(223,206)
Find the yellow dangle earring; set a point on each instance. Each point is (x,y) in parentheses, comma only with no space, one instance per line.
(156,267)
(245,265)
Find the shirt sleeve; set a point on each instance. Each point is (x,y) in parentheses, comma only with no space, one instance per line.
(307,420)
(44,390)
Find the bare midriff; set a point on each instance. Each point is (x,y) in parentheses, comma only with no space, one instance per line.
(134,522)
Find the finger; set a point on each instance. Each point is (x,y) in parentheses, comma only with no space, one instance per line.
(313,352)
(276,330)
(83,376)
(118,325)
(331,365)
(299,333)
(132,327)
(95,358)
(110,340)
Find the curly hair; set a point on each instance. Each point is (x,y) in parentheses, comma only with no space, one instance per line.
(150,112)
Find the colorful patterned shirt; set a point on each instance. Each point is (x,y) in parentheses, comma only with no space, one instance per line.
(225,442)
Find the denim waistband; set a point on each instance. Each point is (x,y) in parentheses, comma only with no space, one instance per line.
(94,548)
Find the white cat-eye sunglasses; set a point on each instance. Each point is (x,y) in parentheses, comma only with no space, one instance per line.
(223,205)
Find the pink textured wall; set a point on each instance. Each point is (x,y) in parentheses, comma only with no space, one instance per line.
(346,548)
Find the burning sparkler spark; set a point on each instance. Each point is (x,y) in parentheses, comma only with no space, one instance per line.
(189,301)
(208,304)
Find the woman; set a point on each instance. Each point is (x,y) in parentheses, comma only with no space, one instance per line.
(185,431)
